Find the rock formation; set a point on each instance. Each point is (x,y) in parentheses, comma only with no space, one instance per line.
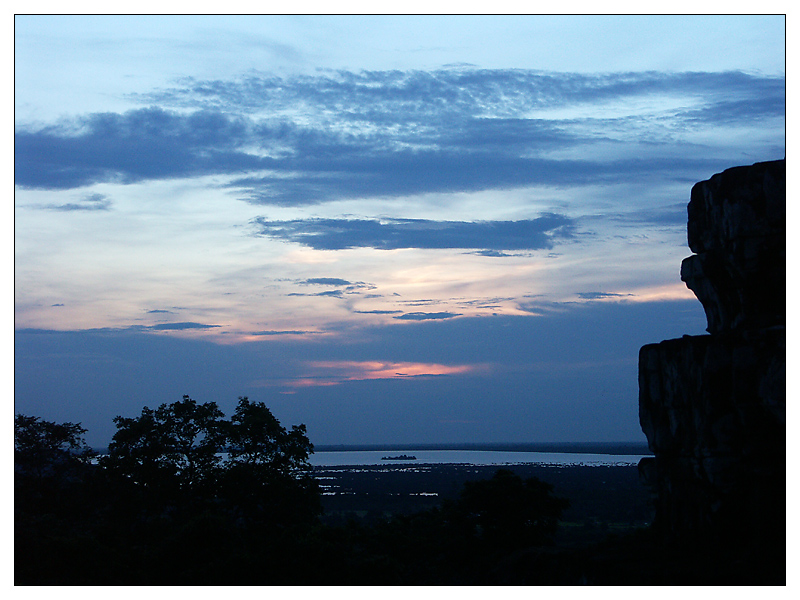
(713,407)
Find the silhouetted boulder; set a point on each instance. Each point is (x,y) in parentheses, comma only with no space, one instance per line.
(737,230)
(713,407)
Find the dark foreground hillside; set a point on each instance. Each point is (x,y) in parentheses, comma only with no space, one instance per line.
(603,536)
(603,499)
(185,496)
(386,528)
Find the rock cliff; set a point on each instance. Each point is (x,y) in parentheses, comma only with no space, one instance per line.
(713,407)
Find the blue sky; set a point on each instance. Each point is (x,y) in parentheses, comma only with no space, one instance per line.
(392,229)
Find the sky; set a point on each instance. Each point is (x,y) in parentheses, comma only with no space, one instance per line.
(394,229)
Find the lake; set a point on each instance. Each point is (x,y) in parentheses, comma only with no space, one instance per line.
(328,458)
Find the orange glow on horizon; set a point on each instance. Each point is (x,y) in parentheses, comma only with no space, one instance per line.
(360,370)
(327,373)
(672,291)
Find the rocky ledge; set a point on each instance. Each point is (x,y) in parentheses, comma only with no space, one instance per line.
(713,407)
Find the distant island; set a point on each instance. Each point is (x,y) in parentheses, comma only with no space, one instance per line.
(401,457)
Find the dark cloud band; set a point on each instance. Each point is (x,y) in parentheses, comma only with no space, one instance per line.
(423,316)
(340,234)
(180,326)
(326,281)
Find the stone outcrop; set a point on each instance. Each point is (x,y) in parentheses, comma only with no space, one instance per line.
(713,407)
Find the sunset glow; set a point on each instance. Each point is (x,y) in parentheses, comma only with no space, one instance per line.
(335,215)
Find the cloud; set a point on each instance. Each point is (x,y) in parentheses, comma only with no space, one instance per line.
(284,332)
(423,316)
(335,372)
(341,174)
(330,294)
(392,234)
(420,301)
(301,140)
(89,202)
(419,96)
(485,302)
(130,329)
(180,326)
(600,295)
(493,253)
(138,145)
(326,281)
(670,215)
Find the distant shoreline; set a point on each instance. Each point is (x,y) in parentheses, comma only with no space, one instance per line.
(553,447)
(614,448)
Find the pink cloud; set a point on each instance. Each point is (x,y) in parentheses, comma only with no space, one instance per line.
(350,370)
(334,372)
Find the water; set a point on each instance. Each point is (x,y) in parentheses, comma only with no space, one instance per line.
(472,457)
(343,458)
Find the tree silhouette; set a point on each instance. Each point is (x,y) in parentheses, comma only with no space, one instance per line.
(51,460)
(44,448)
(257,439)
(175,446)
(177,454)
(263,477)
(510,511)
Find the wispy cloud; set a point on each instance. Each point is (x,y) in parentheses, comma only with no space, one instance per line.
(347,287)
(492,253)
(600,295)
(329,294)
(307,139)
(132,329)
(90,202)
(283,332)
(410,96)
(180,326)
(425,316)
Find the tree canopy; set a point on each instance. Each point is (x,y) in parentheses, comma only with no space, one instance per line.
(257,438)
(176,444)
(44,447)
(189,451)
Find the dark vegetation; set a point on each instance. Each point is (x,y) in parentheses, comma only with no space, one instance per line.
(164,506)
(187,497)
(602,499)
